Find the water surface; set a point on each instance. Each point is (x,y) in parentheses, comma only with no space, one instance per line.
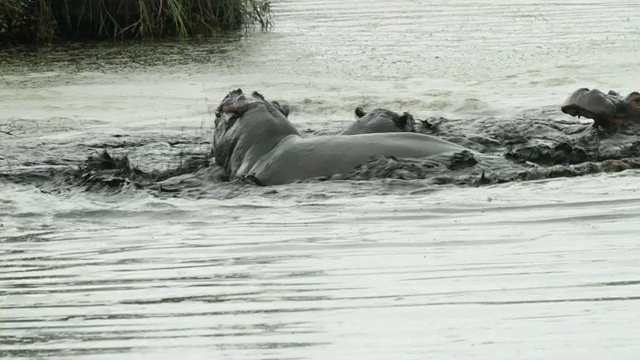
(337,270)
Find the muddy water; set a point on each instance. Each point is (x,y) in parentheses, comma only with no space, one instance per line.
(344,270)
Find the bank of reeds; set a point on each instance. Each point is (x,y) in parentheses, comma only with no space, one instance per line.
(27,21)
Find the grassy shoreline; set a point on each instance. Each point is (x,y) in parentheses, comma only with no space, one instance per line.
(44,21)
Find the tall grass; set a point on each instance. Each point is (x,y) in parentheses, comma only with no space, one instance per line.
(50,20)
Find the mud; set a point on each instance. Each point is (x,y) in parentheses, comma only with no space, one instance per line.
(540,140)
(531,146)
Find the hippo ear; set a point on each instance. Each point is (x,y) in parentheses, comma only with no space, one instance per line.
(359,112)
(402,120)
(257,94)
(285,109)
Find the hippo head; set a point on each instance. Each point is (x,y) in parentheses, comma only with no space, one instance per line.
(247,126)
(380,121)
(605,109)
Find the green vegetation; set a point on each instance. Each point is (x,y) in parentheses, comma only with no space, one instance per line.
(35,21)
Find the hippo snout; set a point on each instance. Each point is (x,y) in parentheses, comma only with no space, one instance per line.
(592,104)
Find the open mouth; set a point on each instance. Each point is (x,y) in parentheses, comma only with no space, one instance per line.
(234,105)
(231,109)
(592,104)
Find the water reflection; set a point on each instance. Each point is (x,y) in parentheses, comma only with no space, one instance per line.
(343,270)
(239,283)
(128,56)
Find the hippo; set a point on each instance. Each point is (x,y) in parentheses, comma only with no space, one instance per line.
(253,139)
(380,121)
(605,109)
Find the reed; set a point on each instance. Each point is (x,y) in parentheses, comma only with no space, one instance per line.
(25,21)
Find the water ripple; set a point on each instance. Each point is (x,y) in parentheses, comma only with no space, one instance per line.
(543,269)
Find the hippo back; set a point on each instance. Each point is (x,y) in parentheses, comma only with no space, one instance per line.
(298,158)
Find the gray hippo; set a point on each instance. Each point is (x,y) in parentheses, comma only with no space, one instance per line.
(253,138)
(375,121)
(605,109)
(380,121)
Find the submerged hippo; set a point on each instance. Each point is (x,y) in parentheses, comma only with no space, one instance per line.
(253,137)
(605,109)
(375,121)
(380,121)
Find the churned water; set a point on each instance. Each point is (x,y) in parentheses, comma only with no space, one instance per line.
(343,270)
